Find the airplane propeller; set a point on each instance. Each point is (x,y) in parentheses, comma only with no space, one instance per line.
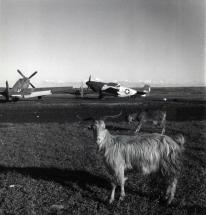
(20,73)
(88,81)
(33,74)
(32,85)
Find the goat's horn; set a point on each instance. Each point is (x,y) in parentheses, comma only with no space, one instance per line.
(112,116)
(85,119)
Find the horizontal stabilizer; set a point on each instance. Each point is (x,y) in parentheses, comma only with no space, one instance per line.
(38,93)
(146,88)
(16,96)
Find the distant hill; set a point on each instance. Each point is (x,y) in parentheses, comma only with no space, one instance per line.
(137,84)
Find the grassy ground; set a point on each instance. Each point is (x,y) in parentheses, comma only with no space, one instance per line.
(54,168)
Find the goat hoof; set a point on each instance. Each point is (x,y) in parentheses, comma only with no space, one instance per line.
(121,198)
(168,200)
(111,201)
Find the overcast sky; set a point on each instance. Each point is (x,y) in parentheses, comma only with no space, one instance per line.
(67,40)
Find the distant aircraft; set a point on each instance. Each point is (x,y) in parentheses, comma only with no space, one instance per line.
(115,89)
(21,89)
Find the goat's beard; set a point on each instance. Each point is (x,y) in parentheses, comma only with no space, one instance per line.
(100,145)
(101,141)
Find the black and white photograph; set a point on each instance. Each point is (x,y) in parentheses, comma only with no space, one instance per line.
(102,107)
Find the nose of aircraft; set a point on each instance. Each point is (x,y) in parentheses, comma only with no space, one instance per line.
(92,86)
(87,83)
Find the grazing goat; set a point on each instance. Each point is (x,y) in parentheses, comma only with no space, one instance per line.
(144,152)
(157,117)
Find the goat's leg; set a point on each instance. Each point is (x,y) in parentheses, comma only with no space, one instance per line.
(163,125)
(171,191)
(122,180)
(138,127)
(113,192)
(163,131)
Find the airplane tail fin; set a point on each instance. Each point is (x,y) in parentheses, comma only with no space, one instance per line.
(146,89)
(6,92)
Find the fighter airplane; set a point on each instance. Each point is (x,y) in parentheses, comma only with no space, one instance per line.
(115,89)
(21,89)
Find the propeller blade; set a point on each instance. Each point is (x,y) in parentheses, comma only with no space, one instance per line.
(32,75)
(90,78)
(20,73)
(32,85)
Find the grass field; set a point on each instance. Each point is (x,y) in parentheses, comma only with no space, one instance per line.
(50,163)
(55,168)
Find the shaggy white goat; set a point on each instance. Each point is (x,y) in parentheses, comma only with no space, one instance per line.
(157,117)
(144,152)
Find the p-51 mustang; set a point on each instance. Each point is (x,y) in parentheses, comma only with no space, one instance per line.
(21,89)
(115,89)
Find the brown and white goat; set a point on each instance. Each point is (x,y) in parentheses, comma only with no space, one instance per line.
(144,152)
(156,117)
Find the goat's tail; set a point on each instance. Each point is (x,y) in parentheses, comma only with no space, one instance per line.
(180,140)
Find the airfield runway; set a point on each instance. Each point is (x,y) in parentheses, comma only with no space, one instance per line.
(65,108)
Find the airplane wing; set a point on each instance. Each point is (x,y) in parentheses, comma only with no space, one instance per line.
(30,93)
(65,90)
(110,90)
(38,94)
(55,90)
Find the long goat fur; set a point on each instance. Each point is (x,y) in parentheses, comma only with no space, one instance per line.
(144,152)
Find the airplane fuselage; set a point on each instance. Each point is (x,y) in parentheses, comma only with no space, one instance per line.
(113,89)
(30,94)
(95,86)
(125,92)
(20,85)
